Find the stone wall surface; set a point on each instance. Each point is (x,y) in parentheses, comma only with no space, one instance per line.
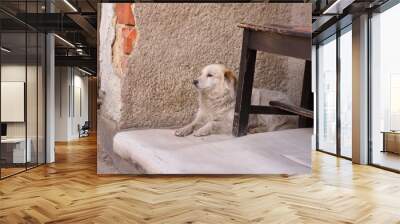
(300,14)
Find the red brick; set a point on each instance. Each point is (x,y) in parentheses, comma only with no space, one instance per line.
(124,14)
(129,38)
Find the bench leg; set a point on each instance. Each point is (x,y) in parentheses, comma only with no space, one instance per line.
(244,89)
(307,100)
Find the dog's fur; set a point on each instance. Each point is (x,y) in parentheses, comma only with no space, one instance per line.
(217,87)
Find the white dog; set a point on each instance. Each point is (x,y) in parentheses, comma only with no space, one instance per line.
(217,87)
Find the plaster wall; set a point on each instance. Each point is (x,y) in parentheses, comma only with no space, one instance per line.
(109,82)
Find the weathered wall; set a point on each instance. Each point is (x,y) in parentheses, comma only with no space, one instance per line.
(301,15)
(173,43)
(109,81)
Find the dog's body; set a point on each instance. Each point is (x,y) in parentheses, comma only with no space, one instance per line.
(217,87)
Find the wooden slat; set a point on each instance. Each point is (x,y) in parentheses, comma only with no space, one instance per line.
(268,110)
(285,45)
(297,31)
(292,108)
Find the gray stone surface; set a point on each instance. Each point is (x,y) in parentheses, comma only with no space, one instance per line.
(158,151)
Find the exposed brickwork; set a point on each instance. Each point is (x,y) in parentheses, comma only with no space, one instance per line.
(125,36)
(129,35)
(124,14)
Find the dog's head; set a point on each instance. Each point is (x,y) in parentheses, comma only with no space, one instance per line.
(216,77)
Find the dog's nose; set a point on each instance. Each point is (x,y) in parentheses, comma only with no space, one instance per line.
(195,82)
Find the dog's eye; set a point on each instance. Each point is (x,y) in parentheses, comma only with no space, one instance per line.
(209,75)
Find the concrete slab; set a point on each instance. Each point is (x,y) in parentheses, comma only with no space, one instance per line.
(158,151)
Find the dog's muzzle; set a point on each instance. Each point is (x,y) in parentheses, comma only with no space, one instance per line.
(195,82)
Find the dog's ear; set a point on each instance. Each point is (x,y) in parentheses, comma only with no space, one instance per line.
(230,81)
(230,78)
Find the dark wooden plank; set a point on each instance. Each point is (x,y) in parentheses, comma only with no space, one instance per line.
(292,108)
(291,46)
(297,31)
(307,100)
(245,86)
(268,110)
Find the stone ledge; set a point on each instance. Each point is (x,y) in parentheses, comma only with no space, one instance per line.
(158,151)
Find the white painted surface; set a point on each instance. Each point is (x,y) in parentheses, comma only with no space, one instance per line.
(71,102)
(81,103)
(61,112)
(19,155)
(34,125)
(158,151)
(314,91)
(17,73)
(50,98)
(12,101)
(360,90)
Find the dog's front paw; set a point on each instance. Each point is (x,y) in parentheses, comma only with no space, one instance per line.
(200,132)
(182,132)
(257,130)
(252,131)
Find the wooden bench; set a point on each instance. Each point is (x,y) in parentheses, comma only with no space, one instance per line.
(277,39)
